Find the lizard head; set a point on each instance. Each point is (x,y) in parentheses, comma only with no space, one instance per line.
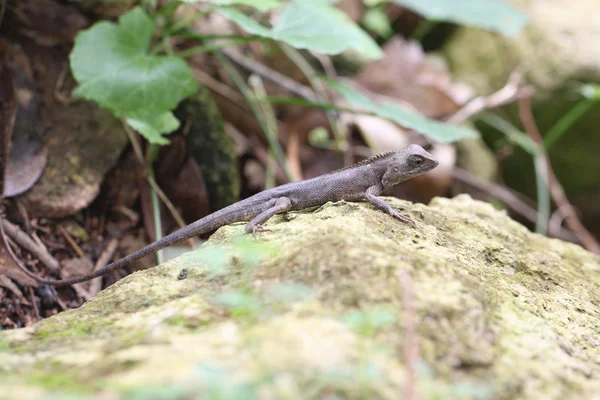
(408,163)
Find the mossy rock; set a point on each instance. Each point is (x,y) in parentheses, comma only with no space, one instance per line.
(320,309)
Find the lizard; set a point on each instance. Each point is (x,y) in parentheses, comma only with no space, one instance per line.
(362,181)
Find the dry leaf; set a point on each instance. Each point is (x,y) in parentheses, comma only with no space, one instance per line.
(406,73)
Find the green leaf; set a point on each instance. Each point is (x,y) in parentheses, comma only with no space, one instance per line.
(318,26)
(154,126)
(376,20)
(314,25)
(494,15)
(246,23)
(113,68)
(438,131)
(262,5)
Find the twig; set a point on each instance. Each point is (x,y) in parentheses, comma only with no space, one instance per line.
(10,285)
(250,99)
(323,94)
(411,342)
(557,218)
(270,124)
(328,67)
(505,194)
(293,152)
(103,260)
(127,212)
(71,241)
(270,75)
(218,87)
(332,75)
(513,90)
(21,238)
(36,310)
(63,97)
(62,304)
(82,292)
(558,194)
(163,197)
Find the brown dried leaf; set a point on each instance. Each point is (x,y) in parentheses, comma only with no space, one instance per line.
(27,157)
(7,119)
(46,22)
(406,73)
(354,9)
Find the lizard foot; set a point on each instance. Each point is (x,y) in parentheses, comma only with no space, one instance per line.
(403,217)
(259,228)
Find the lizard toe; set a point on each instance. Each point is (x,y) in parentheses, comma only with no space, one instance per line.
(404,218)
(259,228)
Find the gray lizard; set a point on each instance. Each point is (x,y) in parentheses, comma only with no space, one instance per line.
(363,181)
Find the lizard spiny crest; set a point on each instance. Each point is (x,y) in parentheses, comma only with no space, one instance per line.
(366,161)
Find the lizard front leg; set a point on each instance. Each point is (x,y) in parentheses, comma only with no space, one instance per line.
(282,204)
(371,196)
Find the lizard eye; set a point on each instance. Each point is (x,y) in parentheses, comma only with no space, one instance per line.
(417,160)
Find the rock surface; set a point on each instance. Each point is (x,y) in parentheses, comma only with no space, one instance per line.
(317,308)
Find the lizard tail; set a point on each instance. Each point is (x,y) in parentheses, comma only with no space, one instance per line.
(225,216)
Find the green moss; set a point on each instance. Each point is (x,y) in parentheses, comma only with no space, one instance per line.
(488,295)
(76,329)
(57,381)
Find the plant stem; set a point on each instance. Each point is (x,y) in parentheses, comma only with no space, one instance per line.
(566,121)
(150,158)
(270,124)
(318,87)
(247,93)
(423,29)
(522,140)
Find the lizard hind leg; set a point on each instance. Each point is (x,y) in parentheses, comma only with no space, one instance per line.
(282,204)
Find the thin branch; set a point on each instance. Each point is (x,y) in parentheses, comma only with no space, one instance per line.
(270,75)
(513,90)
(323,94)
(103,260)
(558,194)
(163,197)
(71,241)
(23,240)
(36,310)
(270,125)
(218,87)
(503,193)
(251,100)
